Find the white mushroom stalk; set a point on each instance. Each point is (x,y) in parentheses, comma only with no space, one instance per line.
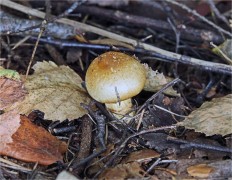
(120,108)
(114,78)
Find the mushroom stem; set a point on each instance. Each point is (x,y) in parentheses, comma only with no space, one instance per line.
(120,108)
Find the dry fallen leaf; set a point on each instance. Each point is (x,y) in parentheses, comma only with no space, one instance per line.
(200,170)
(23,140)
(212,117)
(143,155)
(54,90)
(10,92)
(155,81)
(123,171)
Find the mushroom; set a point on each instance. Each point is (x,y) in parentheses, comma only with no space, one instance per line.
(114,78)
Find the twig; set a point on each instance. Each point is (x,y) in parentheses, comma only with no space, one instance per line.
(156,94)
(35,47)
(226,58)
(188,33)
(216,67)
(177,30)
(14,166)
(101,135)
(43,26)
(11,54)
(21,41)
(188,144)
(16,24)
(122,146)
(71,9)
(85,145)
(173,22)
(200,17)
(100,124)
(152,166)
(48,9)
(216,11)
(167,111)
(198,63)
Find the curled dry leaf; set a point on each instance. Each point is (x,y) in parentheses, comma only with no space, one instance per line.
(155,81)
(54,90)
(21,139)
(212,117)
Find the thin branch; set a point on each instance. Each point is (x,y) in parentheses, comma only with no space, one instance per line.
(159,92)
(187,32)
(124,143)
(189,144)
(174,56)
(42,28)
(217,12)
(226,58)
(18,25)
(172,20)
(197,63)
(11,25)
(200,17)
(71,9)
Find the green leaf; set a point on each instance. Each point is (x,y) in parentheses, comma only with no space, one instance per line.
(10,74)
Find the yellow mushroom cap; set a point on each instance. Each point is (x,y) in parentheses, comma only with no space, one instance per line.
(114,75)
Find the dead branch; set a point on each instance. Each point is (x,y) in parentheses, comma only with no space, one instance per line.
(200,17)
(189,144)
(188,33)
(85,145)
(217,12)
(216,67)
(197,63)
(124,143)
(12,25)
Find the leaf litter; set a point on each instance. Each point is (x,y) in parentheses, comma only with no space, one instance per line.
(51,82)
(154,110)
(11,91)
(212,117)
(23,140)
(54,90)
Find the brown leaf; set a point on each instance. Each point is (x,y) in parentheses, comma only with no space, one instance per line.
(23,140)
(11,91)
(143,155)
(155,81)
(123,171)
(54,90)
(212,117)
(200,170)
